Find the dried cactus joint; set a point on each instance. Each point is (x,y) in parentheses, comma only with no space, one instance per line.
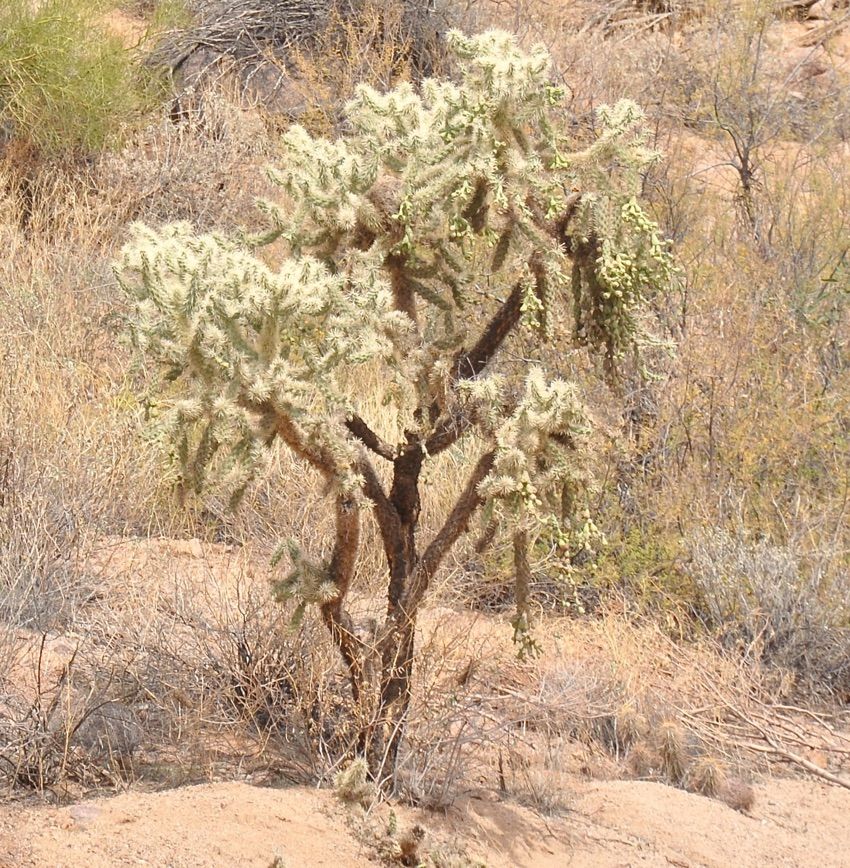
(392,230)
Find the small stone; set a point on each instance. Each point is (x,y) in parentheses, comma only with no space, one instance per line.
(83,815)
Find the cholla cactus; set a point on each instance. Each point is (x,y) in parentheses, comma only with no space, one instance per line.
(445,224)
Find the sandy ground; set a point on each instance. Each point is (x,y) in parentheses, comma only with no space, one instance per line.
(615,823)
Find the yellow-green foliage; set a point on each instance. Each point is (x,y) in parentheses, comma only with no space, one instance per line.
(65,82)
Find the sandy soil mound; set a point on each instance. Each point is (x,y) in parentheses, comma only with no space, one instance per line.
(209,825)
(794,823)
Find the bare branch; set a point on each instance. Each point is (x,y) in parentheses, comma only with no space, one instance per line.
(449,429)
(280,425)
(450,426)
(386,515)
(522,578)
(287,431)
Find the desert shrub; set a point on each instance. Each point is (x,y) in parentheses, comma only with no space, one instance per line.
(38,532)
(38,584)
(762,601)
(377,42)
(64,715)
(63,374)
(203,171)
(65,83)
(749,428)
(461,198)
(640,15)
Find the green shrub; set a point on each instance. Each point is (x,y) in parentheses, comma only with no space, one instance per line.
(66,84)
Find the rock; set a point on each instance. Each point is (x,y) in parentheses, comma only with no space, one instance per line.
(83,815)
(822,10)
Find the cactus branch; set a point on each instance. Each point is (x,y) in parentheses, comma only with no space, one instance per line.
(455,525)
(369,438)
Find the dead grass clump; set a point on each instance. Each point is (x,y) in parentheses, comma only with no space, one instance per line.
(532,728)
(203,170)
(544,779)
(632,17)
(66,411)
(39,588)
(227,668)
(706,776)
(288,54)
(452,731)
(63,718)
(209,679)
(642,761)
(622,730)
(375,46)
(672,749)
(671,753)
(40,520)
(409,845)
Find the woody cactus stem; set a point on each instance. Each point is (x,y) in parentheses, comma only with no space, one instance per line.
(396,644)
(451,232)
(341,572)
(522,590)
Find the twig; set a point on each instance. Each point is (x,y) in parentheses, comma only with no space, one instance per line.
(796,759)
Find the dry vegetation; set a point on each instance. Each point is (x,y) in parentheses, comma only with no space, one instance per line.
(706,644)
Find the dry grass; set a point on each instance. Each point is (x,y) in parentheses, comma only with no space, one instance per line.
(371,47)
(747,428)
(183,669)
